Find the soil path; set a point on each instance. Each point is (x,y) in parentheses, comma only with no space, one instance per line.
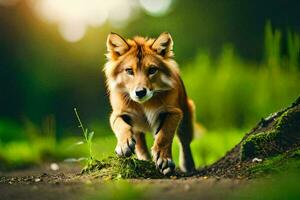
(42,183)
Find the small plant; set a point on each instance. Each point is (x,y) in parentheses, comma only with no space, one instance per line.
(88,136)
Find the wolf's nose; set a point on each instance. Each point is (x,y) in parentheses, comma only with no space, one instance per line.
(141,92)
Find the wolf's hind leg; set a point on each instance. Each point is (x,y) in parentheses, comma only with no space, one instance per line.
(185,134)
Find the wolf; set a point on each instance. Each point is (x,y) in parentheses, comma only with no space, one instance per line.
(147,94)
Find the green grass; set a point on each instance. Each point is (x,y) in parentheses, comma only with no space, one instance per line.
(231,93)
(206,149)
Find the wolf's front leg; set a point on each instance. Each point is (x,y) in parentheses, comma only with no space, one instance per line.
(162,148)
(121,126)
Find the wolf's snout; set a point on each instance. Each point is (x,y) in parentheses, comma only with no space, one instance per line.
(140,92)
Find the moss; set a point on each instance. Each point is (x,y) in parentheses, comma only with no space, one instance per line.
(284,134)
(115,168)
(282,119)
(289,160)
(255,145)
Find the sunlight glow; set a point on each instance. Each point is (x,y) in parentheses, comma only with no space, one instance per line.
(73,17)
(72,32)
(156,7)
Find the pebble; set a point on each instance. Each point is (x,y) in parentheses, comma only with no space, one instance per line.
(37,180)
(54,166)
(257,160)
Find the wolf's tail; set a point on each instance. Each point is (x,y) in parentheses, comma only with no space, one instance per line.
(199,129)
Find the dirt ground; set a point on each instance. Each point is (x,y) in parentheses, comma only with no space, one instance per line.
(65,183)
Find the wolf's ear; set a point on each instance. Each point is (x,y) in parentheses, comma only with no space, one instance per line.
(163,45)
(116,45)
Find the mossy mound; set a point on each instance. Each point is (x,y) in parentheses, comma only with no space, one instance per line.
(272,145)
(126,168)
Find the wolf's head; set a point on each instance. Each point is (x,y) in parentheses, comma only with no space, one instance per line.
(140,67)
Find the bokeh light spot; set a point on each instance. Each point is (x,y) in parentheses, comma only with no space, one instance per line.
(156,7)
(72,32)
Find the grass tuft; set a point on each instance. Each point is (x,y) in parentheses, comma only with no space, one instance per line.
(122,168)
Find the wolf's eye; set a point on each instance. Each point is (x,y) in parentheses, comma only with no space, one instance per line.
(152,70)
(129,71)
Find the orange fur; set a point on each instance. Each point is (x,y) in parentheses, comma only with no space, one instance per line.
(147,94)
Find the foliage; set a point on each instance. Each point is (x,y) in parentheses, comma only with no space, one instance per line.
(272,45)
(231,93)
(293,40)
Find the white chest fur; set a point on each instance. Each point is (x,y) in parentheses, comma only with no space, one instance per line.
(147,119)
(152,116)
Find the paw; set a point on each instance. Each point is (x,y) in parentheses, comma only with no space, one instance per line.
(126,148)
(144,156)
(164,164)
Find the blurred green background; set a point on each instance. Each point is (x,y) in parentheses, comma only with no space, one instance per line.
(239,61)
